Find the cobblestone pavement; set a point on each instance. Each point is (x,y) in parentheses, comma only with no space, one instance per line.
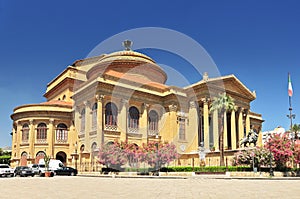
(97,187)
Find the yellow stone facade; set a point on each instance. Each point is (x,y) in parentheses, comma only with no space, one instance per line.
(123,96)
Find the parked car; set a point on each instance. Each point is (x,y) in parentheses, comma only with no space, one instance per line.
(6,170)
(39,169)
(23,171)
(69,171)
(35,168)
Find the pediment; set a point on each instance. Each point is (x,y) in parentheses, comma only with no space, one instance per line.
(232,85)
(235,87)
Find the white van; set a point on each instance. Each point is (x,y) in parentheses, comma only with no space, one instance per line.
(53,164)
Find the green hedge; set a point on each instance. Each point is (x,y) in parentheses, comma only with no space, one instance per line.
(190,169)
(206,169)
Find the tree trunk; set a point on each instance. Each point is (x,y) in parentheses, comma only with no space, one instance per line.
(221,137)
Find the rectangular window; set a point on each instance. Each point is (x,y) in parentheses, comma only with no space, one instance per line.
(94,120)
(25,135)
(41,135)
(61,135)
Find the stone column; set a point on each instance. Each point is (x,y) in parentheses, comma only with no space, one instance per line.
(225,137)
(143,127)
(193,125)
(172,127)
(122,119)
(216,129)
(51,137)
(259,141)
(241,125)
(247,122)
(87,105)
(206,122)
(14,136)
(19,139)
(77,123)
(100,121)
(233,130)
(31,138)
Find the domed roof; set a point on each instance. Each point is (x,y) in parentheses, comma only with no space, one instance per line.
(127,55)
(130,63)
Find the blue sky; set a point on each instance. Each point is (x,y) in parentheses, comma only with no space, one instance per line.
(258,41)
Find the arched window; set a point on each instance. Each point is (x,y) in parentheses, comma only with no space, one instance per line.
(39,155)
(23,160)
(153,123)
(61,133)
(133,119)
(82,122)
(111,116)
(81,148)
(94,150)
(25,133)
(110,143)
(41,135)
(94,117)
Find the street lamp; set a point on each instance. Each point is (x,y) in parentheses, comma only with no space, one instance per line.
(75,155)
(157,160)
(291,117)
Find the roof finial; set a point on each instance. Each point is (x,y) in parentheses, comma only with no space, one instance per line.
(127,44)
(205,76)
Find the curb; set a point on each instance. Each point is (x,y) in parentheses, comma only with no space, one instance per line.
(190,177)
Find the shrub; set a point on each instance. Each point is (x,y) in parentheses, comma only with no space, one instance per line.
(5,159)
(281,147)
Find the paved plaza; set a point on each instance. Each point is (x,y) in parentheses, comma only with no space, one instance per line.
(99,187)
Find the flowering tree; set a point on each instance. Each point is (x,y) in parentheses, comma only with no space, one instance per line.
(154,153)
(297,152)
(281,147)
(242,158)
(159,154)
(131,151)
(260,156)
(111,155)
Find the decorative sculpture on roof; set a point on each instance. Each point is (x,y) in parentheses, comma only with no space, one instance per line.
(250,138)
(127,44)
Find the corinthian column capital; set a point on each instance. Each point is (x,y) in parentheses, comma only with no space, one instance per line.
(172,108)
(99,97)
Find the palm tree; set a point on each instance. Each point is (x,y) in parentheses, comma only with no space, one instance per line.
(296,129)
(222,104)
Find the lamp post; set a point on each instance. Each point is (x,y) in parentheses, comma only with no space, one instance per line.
(75,154)
(157,160)
(29,159)
(291,117)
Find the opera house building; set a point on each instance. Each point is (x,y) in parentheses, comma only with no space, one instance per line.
(123,96)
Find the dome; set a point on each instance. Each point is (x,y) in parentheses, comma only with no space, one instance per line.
(130,64)
(127,55)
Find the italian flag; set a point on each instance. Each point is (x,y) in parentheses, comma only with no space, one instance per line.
(290,88)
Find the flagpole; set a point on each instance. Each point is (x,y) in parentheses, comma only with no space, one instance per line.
(291,116)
